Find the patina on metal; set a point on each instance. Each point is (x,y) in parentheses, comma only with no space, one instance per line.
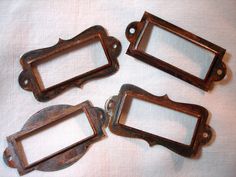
(30,79)
(135,31)
(14,155)
(117,104)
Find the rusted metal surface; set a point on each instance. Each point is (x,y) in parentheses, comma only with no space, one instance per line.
(117,104)
(134,34)
(30,79)
(14,155)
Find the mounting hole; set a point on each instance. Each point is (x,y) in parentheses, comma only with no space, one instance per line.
(9,158)
(205,135)
(110,104)
(132,30)
(219,72)
(26,82)
(114,46)
(100,115)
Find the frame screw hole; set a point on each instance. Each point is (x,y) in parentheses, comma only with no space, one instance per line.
(9,158)
(132,30)
(219,72)
(100,115)
(205,135)
(110,104)
(114,46)
(26,82)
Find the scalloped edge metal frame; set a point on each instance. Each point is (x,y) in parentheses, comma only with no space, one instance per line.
(202,133)
(30,79)
(14,155)
(216,72)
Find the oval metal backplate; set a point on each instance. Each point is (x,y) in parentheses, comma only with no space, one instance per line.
(14,155)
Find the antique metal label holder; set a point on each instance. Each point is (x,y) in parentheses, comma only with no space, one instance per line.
(14,155)
(134,33)
(202,132)
(30,79)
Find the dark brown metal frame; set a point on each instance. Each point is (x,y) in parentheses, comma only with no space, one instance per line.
(14,155)
(202,133)
(216,71)
(30,79)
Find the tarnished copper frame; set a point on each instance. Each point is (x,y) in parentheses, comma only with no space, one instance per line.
(30,79)
(14,155)
(116,105)
(216,71)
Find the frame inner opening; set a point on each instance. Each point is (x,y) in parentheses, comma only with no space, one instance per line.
(158,120)
(53,138)
(73,62)
(175,50)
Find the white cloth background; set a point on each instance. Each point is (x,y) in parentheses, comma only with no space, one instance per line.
(26,25)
